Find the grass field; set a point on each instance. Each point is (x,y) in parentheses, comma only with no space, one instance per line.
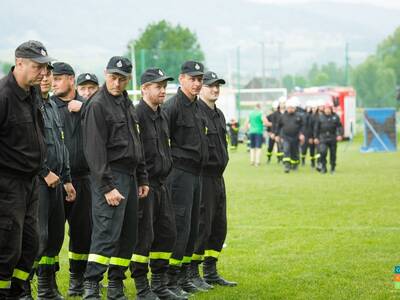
(305,235)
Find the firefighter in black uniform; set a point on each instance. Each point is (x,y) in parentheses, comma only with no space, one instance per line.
(233,127)
(213,223)
(156,229)
(22,151)
(273,119)
(55,170)
(328,131)
(308,131)
(77,213)
(118,177)
(312,146)
(187,127)
(290,131)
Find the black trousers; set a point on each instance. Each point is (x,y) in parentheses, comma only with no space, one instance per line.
(271,143)
(234,139)
(324,146)
(51,225)
(290,150)
(19,232)
(185,190)
(78,215)
(114,230)
(156,233)
(213,223)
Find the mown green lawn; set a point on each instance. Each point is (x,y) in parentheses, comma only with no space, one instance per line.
(305,235)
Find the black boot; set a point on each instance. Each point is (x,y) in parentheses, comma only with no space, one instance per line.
(185,282)
(211,274)
(27,291)
(91,290)
(286,167)
(196,278)
(75,284)
(46,287)
(173,285)
(312,163)
(323,169)
(143,291)
(159,287)
(295,167)
(332,169)
(115,290)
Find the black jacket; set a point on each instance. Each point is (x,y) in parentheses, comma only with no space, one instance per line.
(57,159)
(289,125)
(111,139)
(155,138)
(72,124)
(327,128)
(22,147)
(187,126)
(217,144)
(273,118)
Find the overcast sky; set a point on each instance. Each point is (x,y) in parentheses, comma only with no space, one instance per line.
(294,32)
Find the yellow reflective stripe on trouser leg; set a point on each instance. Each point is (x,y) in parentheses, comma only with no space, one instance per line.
(118,261)
(160,255)
(186,260)
(140,258)
(212,253)
(46,260)
(98,259)
(77,256)
(56,259)
(21,275)
(5,284)
(197,257)
(286,159)
(175,262)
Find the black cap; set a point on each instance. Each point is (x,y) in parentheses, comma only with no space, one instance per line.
(62,68)
(87,77)
(120,65)
(192,68)
(154,75)
(33,50)
(210,78)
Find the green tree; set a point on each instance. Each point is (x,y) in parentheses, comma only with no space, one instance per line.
(165,46)
(288,83)
(5,67)
(375,83)
(389,53)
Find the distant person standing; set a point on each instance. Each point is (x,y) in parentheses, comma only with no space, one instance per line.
(255,127)
(328,131)
(233,127)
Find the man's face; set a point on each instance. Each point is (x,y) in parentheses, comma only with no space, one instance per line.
(116,83)
(62,84)
(210,92)
(87,89)
(45,84)
(191,84)
(33,72)
(155,92)
(290,109)
(328,110)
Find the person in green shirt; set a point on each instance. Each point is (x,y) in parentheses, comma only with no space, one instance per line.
(255,126)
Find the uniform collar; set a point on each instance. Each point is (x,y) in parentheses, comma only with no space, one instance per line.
(210,110)
(117,99)
(20,92)
(185,99)
(153,114)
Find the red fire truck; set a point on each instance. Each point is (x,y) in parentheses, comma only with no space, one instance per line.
(343,100)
